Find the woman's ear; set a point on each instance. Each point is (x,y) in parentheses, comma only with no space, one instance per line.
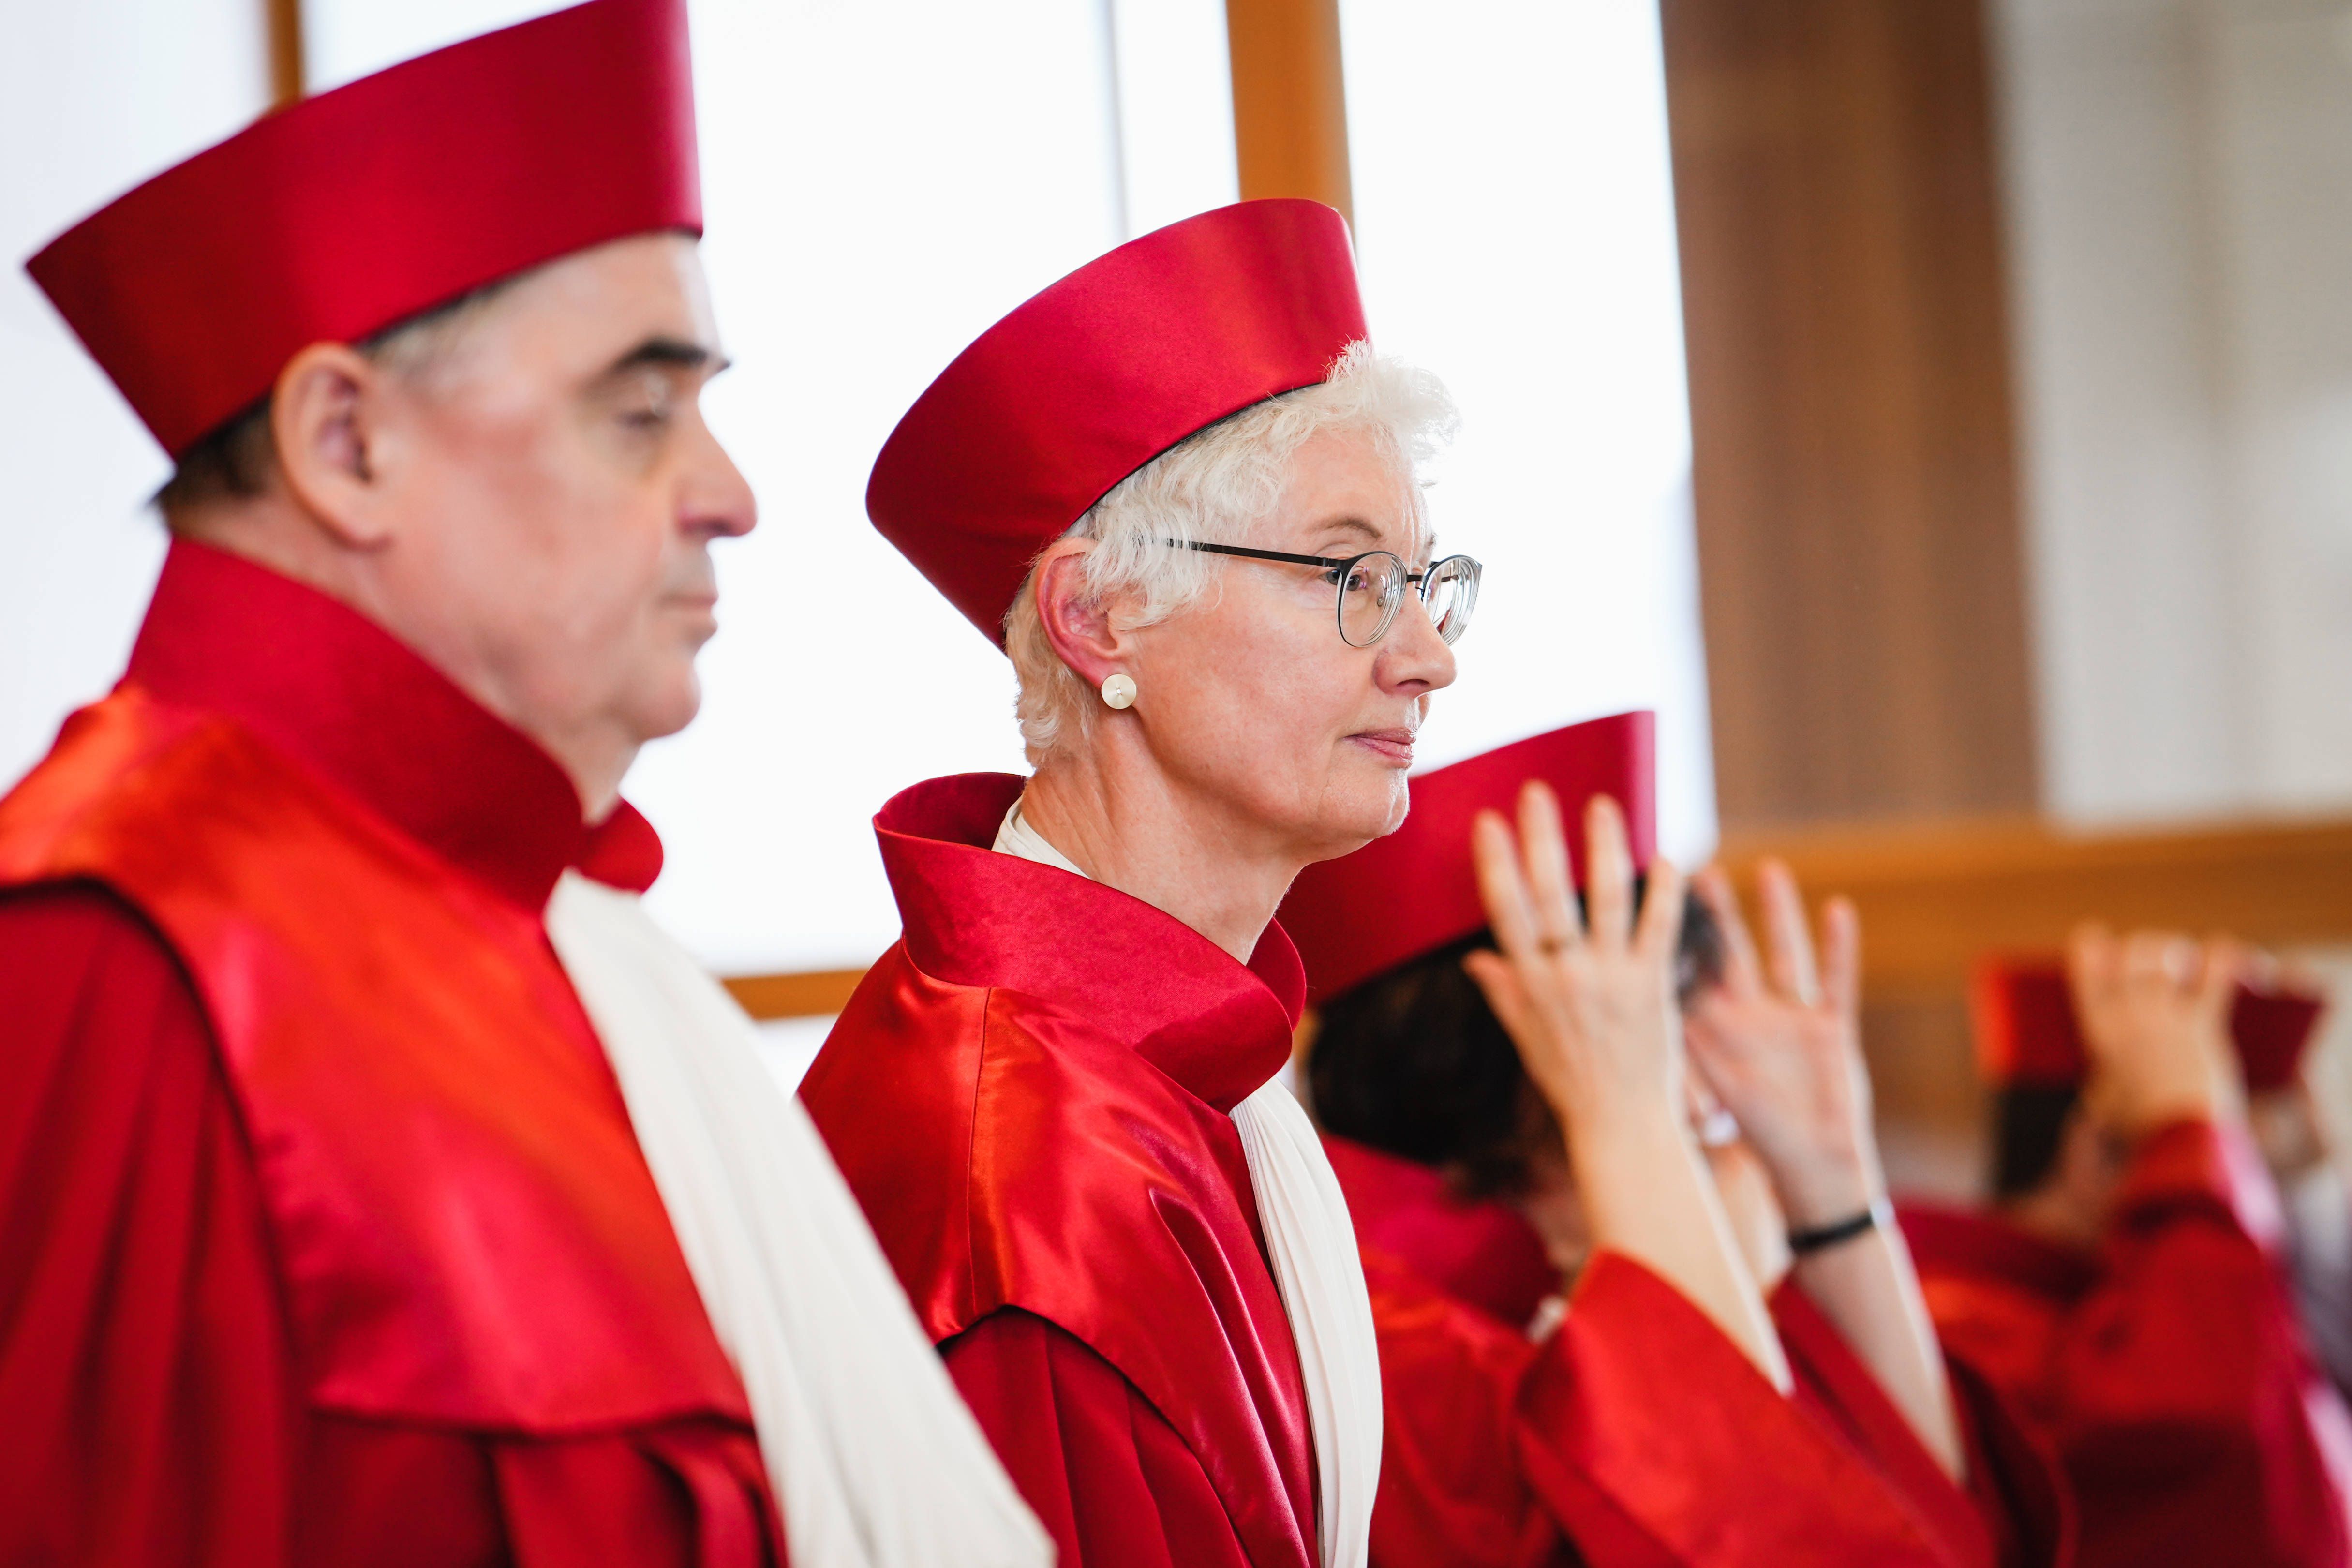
(325,418)
(1085,635)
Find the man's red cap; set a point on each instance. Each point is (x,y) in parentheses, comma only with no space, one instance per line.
(1090,380)
(2027,1032)
(1416,891)
(352,211)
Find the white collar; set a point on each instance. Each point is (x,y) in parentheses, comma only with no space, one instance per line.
(1017,837)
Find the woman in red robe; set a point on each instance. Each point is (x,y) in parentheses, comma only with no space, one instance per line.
(1618,1425)
(1178,488)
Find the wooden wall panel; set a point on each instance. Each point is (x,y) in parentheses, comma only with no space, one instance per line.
(1853,467)
(286,68)
(1290,104)
(1935,898)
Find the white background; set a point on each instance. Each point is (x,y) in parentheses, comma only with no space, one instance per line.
(881,182)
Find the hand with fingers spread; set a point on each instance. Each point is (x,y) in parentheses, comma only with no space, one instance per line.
(1779,1040)
(2155,1011)
(1592,1011)
(1590,1008)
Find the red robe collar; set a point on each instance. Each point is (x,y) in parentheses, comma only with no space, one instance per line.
(1028,1094)
(343,697)
(974,916)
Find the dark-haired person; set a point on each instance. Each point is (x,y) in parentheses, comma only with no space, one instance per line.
(2128,1286)
(1621,1424)
(377,1185)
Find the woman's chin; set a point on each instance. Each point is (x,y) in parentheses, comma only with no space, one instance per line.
(1356,822)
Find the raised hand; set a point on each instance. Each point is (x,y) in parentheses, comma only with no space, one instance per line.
(1593,1010)
(1591,1006)
(2155,1011)
(1780,1042)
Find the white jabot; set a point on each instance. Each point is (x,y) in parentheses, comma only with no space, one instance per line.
(1312,1243)
(875,1460)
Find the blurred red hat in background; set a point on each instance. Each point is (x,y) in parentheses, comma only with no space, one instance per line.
(1400,897)
(348,213)
(2027,1031)
(1050,408)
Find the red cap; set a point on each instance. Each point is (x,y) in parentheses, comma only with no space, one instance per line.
(1415,890)
(1090,380)
(2027,1032)
(352,211)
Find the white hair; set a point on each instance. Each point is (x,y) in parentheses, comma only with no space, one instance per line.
(1218,485)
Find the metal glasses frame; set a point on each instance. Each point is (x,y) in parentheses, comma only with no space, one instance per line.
(1342,565)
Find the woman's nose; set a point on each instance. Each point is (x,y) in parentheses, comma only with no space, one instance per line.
(1412,657)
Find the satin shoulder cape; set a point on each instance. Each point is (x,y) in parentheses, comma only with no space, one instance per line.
(1030,1094)
(467,1234)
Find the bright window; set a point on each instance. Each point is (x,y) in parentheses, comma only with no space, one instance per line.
(1514,225)
(884,181)
(880,183)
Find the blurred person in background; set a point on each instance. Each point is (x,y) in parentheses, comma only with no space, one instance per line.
(2305,1162)
(1707,1392)
(1179,489)
(377,1185)
(2128,1285)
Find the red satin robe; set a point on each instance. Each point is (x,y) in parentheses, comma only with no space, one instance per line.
(1030,1095)
(324,1234)
(1636,1433)
(2168,1367)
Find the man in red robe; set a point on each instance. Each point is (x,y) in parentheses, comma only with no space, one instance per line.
(2129,1289)
(335,1224)
(1618,1424)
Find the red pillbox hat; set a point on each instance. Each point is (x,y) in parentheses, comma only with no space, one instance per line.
(1400,897)
(352,211)
(1054,405)
(2027,1032)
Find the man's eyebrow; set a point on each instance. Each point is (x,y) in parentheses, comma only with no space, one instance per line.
(668,353)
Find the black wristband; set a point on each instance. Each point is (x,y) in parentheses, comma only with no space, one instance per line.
(1822,1237)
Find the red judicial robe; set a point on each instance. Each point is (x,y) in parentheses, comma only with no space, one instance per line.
(2168,1366)
(1030,1094)
(324,1234)
(1636,1433)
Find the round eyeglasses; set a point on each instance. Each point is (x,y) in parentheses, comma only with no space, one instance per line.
(1372,585)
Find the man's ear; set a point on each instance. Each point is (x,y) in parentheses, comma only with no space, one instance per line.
(325,419)
(1086,636)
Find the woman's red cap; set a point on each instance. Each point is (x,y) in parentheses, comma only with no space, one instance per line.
(1415,890)
(352,211)
(2027,1032)
(1093,378)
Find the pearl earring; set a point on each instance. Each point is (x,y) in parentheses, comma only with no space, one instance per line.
(1118,690)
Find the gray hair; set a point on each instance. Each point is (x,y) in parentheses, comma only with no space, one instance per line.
(1219,486)
(237,459)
